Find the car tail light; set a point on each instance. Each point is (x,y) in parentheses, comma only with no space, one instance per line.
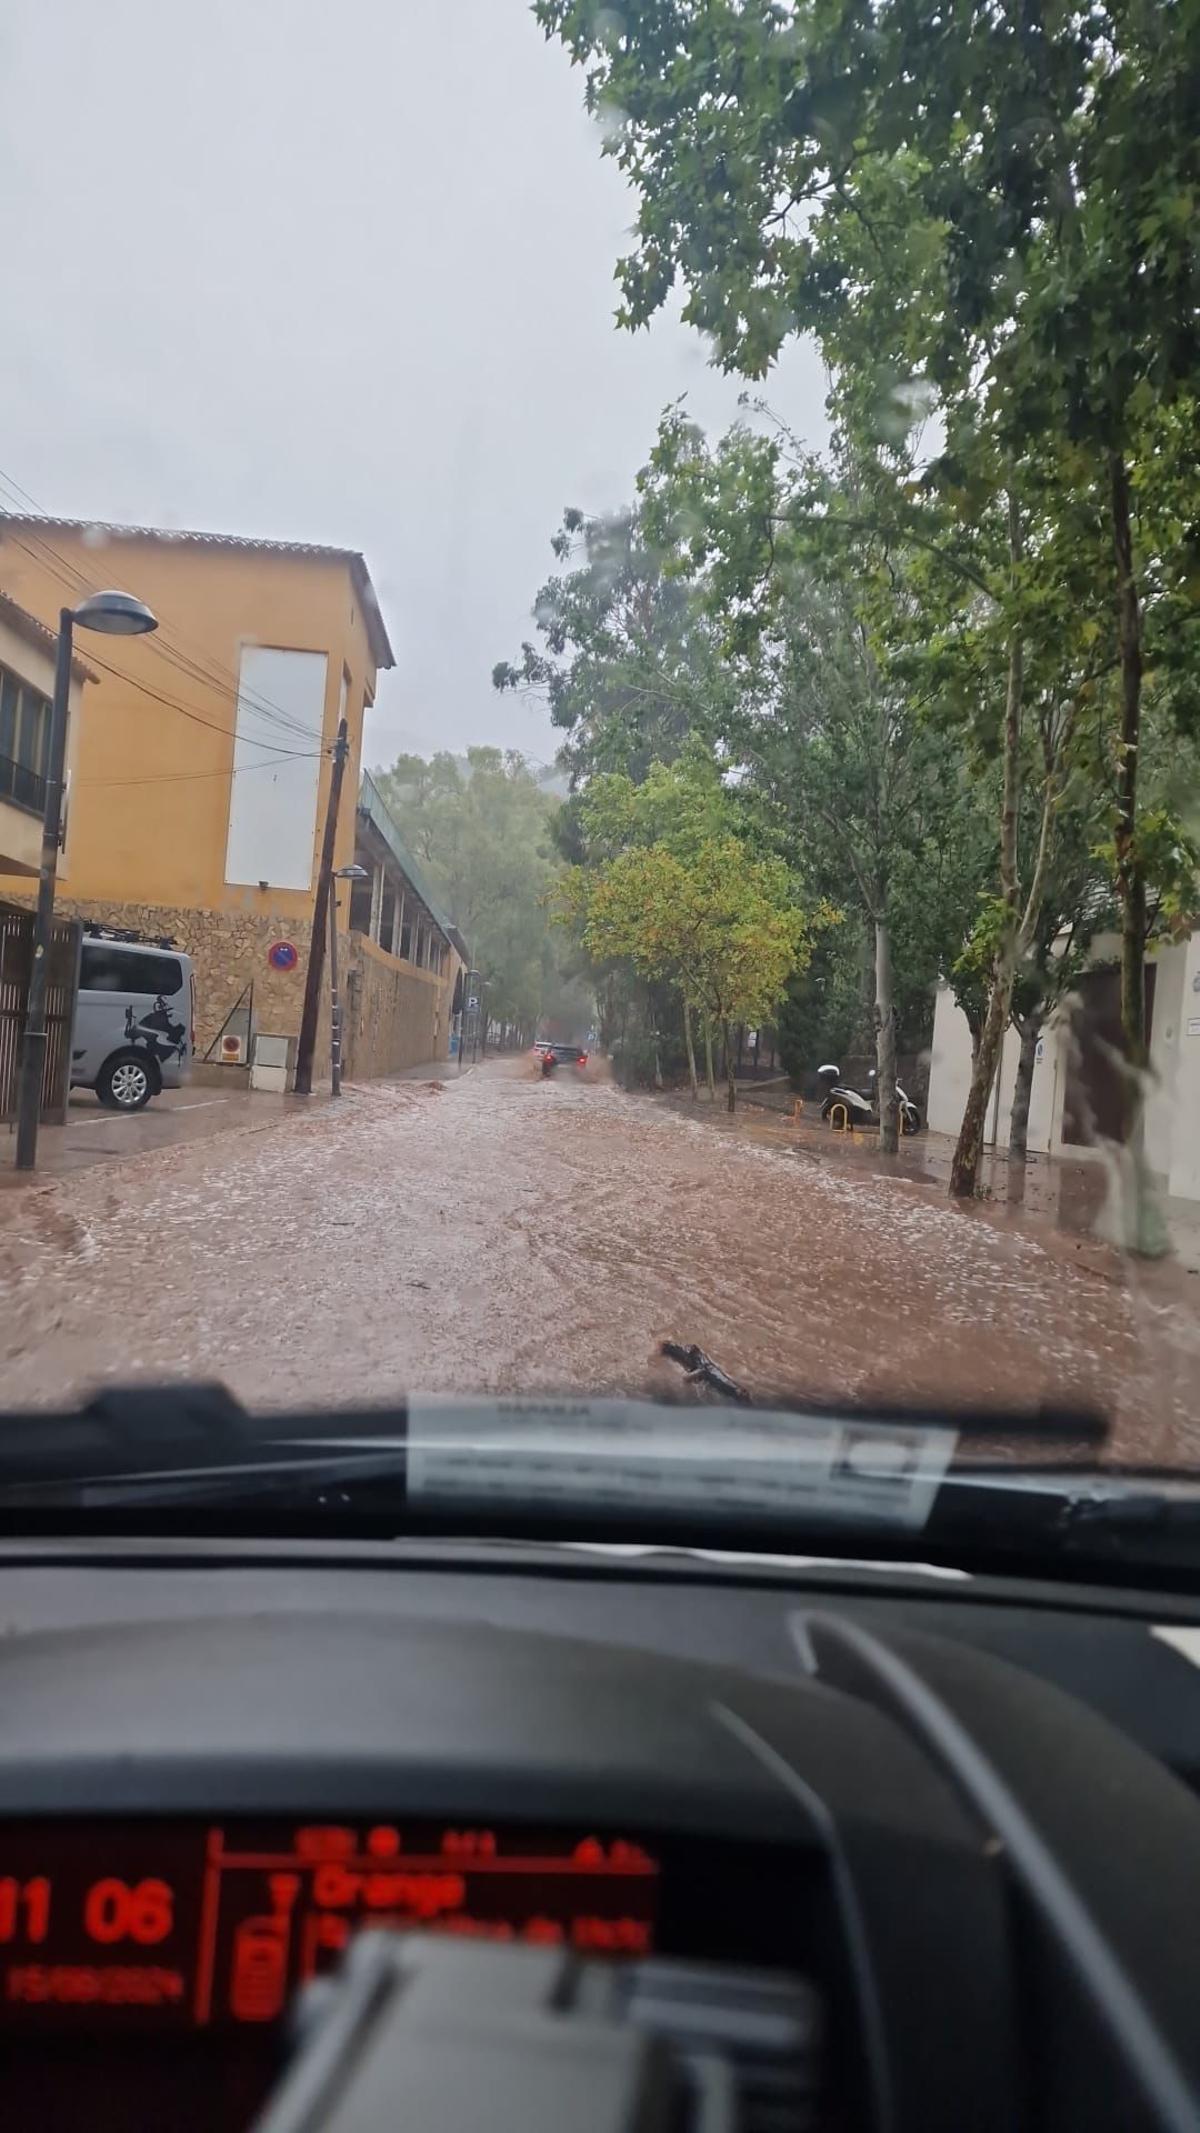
(583,1059)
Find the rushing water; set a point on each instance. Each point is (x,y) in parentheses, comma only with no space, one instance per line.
(508,1234)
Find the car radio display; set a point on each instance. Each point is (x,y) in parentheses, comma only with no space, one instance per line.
(169,1925)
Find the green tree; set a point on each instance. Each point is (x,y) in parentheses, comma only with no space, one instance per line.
(626,665)
(965,208)
(680,807)
(858,786)
(723,927)
(481,827)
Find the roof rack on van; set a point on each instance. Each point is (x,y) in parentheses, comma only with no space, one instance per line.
(93,931)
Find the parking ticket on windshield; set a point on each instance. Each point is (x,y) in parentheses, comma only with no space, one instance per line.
(631,1455)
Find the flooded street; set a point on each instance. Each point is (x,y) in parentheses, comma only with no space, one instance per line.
(507,1234)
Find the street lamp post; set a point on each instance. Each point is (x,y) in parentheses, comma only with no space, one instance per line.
(351,873)
(114,614)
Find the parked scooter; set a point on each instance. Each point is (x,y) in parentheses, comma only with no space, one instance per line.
(862,1110)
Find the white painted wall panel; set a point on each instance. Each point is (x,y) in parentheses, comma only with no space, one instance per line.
(1185,1149)
(950,1077)
(273,803)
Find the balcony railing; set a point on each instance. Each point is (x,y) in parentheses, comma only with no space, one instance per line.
(22,786)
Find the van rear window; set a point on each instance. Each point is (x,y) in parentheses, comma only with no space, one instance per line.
(105,967)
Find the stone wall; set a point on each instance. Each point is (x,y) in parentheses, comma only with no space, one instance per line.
(396,1016)
(229,950)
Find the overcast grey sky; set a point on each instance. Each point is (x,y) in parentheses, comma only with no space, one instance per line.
(334,273)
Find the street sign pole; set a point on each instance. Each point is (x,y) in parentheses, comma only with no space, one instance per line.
(469,1019)
(335,1003)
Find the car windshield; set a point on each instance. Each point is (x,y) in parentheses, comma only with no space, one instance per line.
(600,728)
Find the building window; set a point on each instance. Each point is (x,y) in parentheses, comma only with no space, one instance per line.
(24,742)
(361,906)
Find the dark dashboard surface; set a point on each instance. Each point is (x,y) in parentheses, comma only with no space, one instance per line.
(914,1790)
(1097,1645)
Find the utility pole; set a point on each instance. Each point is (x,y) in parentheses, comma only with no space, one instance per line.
(350,873)
(307,1043)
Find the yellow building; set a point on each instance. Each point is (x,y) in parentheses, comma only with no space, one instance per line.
(27,653)
(199,771)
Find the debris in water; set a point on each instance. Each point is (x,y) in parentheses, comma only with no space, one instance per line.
(702,1370)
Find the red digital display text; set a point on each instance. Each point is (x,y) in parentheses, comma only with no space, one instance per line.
(158,1925)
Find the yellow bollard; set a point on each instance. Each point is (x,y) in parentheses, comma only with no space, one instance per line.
(839,1119)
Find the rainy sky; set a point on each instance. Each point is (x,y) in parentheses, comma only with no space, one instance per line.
(333,273)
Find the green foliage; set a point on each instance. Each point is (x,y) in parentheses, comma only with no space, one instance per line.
(988,214)
(845,769)
(909,185)
(722,926)
(481,827)
(671,890)
(826,1012)
(625,666)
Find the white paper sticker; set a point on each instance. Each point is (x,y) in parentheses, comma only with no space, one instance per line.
(1181,1639)
(1194,1025)
(632,1455)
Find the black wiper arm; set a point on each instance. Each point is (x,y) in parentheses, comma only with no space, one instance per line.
(190,1445)
(125,1428)
(1135,1526)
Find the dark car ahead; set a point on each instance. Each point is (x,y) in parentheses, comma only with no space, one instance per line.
(562,1054)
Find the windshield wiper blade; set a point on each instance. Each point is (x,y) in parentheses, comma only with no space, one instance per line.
(188,1458)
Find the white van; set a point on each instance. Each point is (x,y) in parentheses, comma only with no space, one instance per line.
(135,1019)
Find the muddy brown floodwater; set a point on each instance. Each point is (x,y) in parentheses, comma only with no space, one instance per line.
(507,1234)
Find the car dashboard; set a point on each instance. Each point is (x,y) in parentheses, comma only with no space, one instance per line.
(961,1816)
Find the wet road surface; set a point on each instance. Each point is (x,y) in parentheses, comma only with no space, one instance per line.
(504,1233)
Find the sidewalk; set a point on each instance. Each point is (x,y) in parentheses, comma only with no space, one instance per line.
(1068,1196)
(437,1070)
(93,1134)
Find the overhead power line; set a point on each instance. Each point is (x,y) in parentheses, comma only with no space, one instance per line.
(183,777)
(201,666)
(294,729)
(173,704)
(204,666)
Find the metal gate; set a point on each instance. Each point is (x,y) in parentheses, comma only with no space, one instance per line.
(16,956)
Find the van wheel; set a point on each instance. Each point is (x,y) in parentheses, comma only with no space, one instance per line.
(124,1082)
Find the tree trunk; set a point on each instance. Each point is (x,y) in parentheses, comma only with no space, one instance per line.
(730,1071)
(1144,1228)
(1131,880)
(708,1059)
(1018,1124)
(691,1049)
(866,992)
(964,1170)
(885,1042)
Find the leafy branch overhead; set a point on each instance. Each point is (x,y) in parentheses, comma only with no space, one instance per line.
(985,216)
